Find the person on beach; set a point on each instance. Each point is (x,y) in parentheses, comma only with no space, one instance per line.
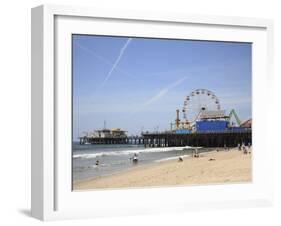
(195,153)
(239,147)
(249,148)
(135,158)
(244,149)
(97,162)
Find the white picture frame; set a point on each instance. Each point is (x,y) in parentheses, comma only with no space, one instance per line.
(52,197)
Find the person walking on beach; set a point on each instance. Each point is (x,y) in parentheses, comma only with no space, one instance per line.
(249,148)
(239,147)
(195,153)
(244,149)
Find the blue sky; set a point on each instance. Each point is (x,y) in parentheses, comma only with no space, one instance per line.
(138,83)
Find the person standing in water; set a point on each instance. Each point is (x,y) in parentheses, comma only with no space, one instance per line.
(135,158)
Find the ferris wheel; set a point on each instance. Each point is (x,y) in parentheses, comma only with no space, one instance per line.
(198,101)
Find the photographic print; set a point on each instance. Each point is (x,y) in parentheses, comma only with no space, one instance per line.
(156,112)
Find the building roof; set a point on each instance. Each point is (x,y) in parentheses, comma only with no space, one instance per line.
(117,130)
(212,114)
(247,123)
(102,130)
(110,130)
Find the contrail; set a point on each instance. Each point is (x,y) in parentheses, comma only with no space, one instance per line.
(104,60)
(162,93)
(93,53)
(122,51)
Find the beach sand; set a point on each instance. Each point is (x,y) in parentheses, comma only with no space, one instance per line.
(226,167)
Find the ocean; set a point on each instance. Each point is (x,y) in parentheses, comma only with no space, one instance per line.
(116,158)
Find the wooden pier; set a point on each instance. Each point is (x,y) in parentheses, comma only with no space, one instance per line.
(112,140)
(210,139)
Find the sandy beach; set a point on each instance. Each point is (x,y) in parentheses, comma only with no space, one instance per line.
(213,167)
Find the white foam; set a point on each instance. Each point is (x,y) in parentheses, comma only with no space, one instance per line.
(171,158)
(132,151)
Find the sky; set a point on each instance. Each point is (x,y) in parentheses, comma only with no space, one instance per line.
(138,83)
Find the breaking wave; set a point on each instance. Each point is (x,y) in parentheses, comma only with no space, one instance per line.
(128,152)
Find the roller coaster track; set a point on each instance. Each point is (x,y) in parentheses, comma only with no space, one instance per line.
(232,112)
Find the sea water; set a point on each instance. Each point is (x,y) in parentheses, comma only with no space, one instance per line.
(115,158)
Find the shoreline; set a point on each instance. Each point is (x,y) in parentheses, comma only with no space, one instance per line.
(211,167)
(212,149)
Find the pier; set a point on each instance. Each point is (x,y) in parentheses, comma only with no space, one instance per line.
(211,139)
(112,140)
(169,139)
